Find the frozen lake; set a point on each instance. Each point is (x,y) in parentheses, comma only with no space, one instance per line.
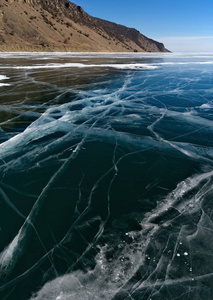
(106,173)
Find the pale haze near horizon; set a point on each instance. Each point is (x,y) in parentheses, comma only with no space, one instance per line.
(180,25)
(188,43)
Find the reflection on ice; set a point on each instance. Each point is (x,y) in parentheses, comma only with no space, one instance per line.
(107,184)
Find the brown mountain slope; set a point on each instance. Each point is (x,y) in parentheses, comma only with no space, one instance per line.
(60,25)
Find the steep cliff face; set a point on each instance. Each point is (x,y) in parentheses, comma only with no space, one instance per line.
(60,25)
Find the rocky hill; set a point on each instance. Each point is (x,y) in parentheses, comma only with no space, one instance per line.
(60,25)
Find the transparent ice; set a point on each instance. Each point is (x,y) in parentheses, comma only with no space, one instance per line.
(106,176)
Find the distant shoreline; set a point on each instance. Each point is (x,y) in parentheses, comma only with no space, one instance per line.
(11,50)
(85,52)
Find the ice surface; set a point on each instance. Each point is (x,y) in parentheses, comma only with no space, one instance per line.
(106,177)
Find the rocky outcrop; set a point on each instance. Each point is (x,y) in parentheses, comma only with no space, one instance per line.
(60,25)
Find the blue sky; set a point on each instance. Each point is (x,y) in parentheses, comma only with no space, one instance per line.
(182,25)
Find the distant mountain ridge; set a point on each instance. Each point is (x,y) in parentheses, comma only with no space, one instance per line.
(60,25)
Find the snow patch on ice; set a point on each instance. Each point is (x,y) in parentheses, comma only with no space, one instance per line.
(4,77)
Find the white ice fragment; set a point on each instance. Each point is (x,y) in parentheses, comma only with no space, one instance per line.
(3,77)
(4,84)
(133,66)
(7,254)
(60,296)
(178,254)
(205,105)
(186,253)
